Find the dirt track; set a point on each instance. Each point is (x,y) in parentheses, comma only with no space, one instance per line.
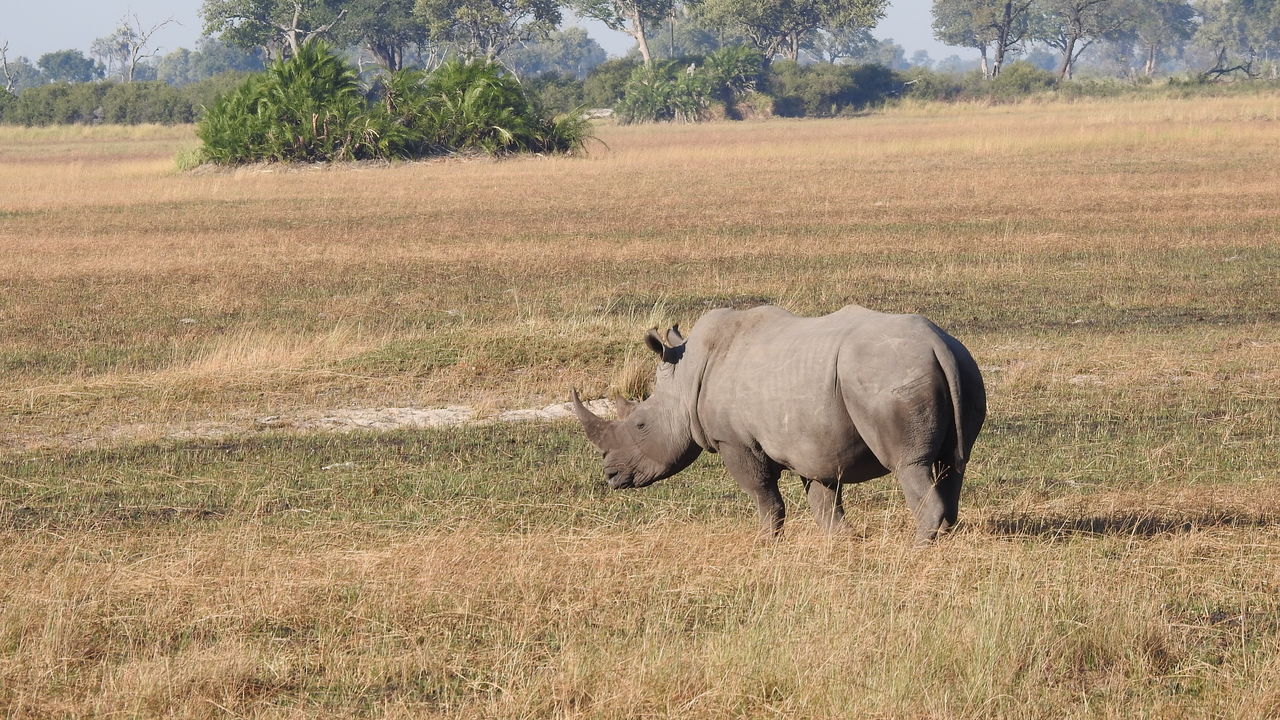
(335,421)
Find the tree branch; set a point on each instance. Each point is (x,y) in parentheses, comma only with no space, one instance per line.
(326,27)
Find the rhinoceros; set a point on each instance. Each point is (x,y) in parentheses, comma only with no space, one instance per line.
(841,398)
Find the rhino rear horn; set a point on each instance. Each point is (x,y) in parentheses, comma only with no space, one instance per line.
(623,405)
(594,425)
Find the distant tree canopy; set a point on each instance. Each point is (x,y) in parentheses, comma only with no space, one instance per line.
(487,28)
(784,27)
(211,57)
(1235,36)
(1239,34)
(69,66)
(569,52)
(387,29)
(278,26)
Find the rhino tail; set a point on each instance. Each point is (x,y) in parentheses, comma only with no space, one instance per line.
(947,361)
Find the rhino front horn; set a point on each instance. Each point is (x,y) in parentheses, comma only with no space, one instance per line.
(593,424)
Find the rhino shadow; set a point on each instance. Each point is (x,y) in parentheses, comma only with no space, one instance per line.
(1125,522)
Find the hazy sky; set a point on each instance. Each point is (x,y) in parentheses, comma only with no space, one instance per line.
(35,28)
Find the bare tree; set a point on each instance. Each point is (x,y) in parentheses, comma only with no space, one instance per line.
(126,48)
(10,79)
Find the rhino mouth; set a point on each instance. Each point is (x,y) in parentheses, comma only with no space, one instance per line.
(620,481)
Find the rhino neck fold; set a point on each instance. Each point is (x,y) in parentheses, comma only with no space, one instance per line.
(691,398)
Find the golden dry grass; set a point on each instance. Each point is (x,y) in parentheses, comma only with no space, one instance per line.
(669,620)
(950,214)
(1112,265)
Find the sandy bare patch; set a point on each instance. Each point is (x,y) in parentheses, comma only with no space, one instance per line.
(341,420)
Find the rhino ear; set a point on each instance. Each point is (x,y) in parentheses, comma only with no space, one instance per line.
(674,338)
(654,341)
(659,346)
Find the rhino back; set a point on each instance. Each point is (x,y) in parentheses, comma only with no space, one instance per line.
(811,392)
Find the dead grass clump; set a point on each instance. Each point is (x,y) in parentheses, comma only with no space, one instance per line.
(634,379)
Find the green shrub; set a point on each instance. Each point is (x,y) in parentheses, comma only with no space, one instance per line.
(57,103)
(1021,78)
(146,102)
(734,70)
(733,73)
(607,82)
(665,92)
(476,106)
(311,108)
(557,92)
(825,89)
(306,108)
(692,89)
(925,84)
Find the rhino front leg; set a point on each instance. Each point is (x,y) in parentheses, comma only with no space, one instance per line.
(933,494)
(826,504)
(758,476)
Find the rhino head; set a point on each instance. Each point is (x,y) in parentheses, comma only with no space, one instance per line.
(651,440)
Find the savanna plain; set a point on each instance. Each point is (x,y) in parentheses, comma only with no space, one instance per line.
(177,538)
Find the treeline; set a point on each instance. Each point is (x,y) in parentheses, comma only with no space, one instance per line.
(114,102)
(1201,39)
(814,56)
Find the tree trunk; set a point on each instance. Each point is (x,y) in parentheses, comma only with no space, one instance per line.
(986,68)
(671,47)
(1064,72)
(389,56)
(1149,67)
(10,79)
(1002,39)
(637,31)
(793,47)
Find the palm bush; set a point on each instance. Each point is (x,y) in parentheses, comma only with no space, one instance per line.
(476,106)
(665,92)
(734,70)
(306,108)
(689,91)
(311,107)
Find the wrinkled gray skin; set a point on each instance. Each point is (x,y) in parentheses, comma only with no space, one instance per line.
(837,399)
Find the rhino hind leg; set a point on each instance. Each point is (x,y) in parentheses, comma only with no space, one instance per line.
(826,504)
(758,476)
(933,494)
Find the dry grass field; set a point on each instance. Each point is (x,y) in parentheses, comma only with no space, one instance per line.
(1114,267)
